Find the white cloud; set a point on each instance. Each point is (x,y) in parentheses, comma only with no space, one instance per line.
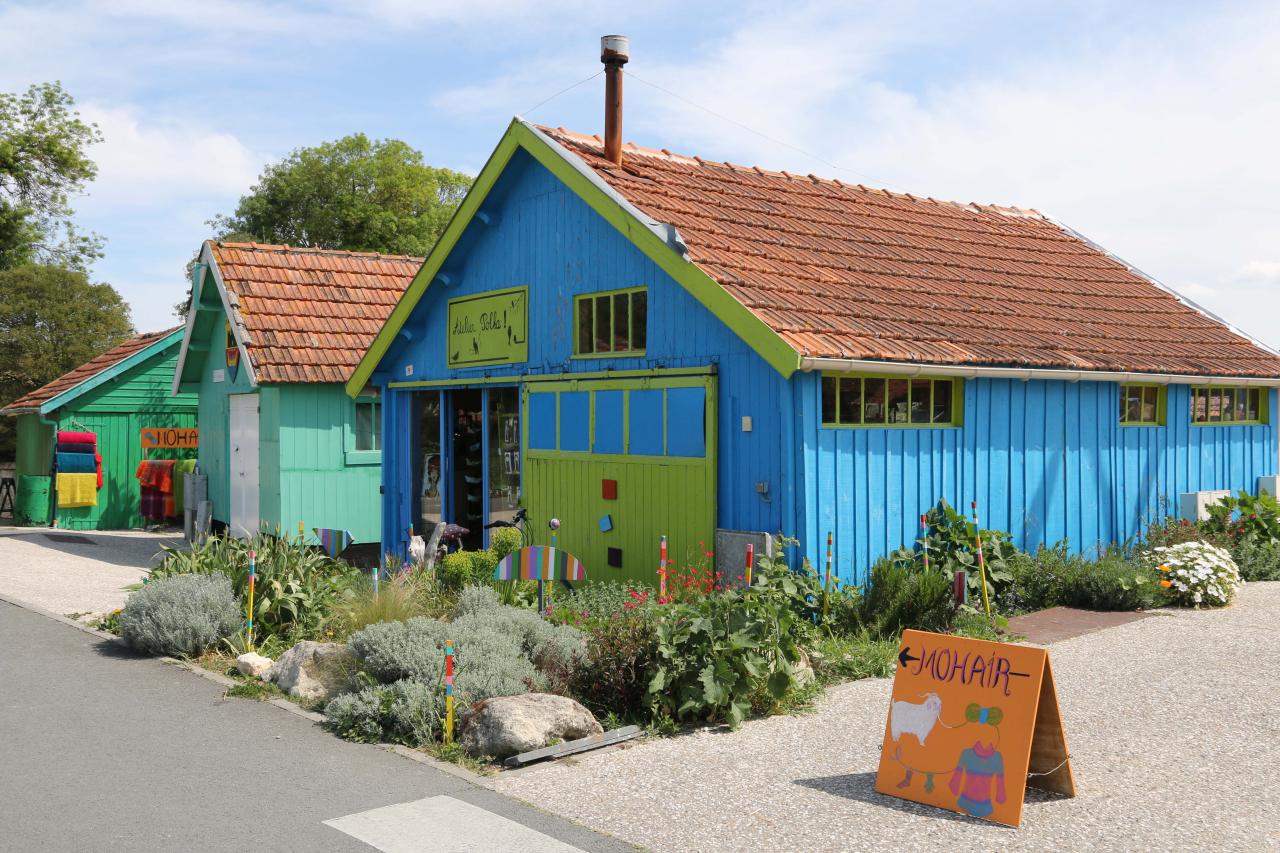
(1260,272)
(156,163)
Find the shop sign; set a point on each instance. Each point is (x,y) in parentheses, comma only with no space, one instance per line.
(489,328)
(170,438)
(971,724)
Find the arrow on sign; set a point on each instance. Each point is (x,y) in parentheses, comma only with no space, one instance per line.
(905,655)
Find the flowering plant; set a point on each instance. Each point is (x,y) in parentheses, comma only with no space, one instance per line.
(1196,573)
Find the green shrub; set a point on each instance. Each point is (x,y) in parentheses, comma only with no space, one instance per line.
(1257,561)
(297,586)
(614,676)
(504,540)
(398,598)
(182,615)
(602,600)
(476,599)
(1252,517)
(902,595)
(1175,531)
(407,712)
(1053,577)
(717,654)
(951,541)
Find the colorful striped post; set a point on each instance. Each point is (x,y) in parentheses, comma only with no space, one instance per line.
(751,559)
(448,691)
(377,574)
(826,584)
(662,569)
(924,539)
(982,563)
(253,578)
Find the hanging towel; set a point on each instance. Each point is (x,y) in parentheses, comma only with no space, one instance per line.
(183,466)
(88,447)
(152,504)
(97,461)
(156,474)
(76,490)
(77,437)
(76,463)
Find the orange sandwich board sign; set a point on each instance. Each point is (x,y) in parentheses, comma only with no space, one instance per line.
(971,724)
(170,438)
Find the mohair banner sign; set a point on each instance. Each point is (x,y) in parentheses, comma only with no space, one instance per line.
(971,724)
(170,438)
(489,328)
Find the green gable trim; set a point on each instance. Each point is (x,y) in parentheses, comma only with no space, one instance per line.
(750,328)
(111,372)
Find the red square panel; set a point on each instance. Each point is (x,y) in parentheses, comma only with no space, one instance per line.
(609,490)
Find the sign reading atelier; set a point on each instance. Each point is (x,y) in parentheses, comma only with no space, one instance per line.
(971,724)
(489,328)
(170,438)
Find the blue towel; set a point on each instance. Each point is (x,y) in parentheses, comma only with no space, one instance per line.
(76,447)
(77,463)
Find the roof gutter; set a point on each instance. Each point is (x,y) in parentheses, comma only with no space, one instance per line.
(857,365)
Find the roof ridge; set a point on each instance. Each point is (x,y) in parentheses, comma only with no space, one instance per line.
(284,248)
(593,141)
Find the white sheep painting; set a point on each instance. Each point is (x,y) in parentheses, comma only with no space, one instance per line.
(915,718)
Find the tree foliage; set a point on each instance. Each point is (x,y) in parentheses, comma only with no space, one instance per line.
(354,193)
(52,319)
(42,164)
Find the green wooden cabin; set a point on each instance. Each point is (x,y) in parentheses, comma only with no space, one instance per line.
(272,335)
(116,396)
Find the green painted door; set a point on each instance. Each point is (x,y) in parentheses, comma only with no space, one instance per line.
(622,463)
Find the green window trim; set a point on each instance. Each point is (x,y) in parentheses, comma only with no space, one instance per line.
(873,393)
(1143,404)
(1226,405)
(591,308)
(363,440)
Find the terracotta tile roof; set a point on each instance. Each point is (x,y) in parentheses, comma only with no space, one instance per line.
(310,314)
(844,271)
(86,371)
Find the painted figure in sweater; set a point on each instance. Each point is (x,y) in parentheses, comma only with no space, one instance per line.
(979,773)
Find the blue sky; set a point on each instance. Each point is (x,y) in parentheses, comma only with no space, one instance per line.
(1152,129)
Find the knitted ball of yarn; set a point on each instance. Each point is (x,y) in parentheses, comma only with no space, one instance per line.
(973,714)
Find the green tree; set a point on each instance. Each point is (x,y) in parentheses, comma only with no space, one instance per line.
(52,319)
(43,164)
(355,193)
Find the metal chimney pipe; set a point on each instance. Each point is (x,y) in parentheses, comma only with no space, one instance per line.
(614,53)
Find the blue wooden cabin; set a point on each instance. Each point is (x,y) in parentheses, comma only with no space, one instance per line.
(673,346)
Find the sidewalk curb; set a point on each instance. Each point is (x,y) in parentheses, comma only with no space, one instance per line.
(283,704)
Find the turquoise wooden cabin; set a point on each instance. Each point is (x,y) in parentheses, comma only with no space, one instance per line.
(648,344)
(272,334)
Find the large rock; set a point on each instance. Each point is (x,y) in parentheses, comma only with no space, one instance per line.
(313,671)
(253,664)
(507,725)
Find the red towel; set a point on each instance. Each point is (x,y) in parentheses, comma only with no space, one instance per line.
(156,474)
(98,461)
(78,437)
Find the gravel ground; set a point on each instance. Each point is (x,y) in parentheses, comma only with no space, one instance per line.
(68,577)
(1171,722)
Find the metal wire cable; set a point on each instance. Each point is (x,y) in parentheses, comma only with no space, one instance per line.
(543,103)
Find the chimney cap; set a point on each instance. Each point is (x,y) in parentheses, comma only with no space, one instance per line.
(615,49)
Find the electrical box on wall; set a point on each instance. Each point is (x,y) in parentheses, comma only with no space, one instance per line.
(1269,485)
(1194,506)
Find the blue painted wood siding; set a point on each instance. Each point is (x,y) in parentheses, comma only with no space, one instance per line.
(548,239)
(1045,460)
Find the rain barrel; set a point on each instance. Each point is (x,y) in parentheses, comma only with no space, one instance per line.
(32,506)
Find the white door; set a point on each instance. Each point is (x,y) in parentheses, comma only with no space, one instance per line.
(244,464)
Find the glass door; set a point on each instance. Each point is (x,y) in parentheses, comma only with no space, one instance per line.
(503,436)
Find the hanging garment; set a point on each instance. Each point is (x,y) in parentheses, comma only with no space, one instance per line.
(75,463)
(86,447)
(97,461)
(77,437)
(153,504)
(157,474)
(181,467)
(76,490)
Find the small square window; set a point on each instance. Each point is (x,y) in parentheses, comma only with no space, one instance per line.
(368,426)
(613,322)
(1142,405)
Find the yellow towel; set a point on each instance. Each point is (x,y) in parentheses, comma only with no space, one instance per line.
(77,490)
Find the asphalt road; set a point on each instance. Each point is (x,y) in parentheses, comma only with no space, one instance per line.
(102,750)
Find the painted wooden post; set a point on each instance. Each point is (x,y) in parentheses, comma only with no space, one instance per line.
(751,558)
(448,691)
(924,539)
(982,563)
(826,585)
(377,576)
(662,569)
(253,577)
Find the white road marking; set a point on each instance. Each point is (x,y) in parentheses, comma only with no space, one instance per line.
(444,825)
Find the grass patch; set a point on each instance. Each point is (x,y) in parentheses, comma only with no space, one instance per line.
(255,689)
(452,753)
(853,656)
